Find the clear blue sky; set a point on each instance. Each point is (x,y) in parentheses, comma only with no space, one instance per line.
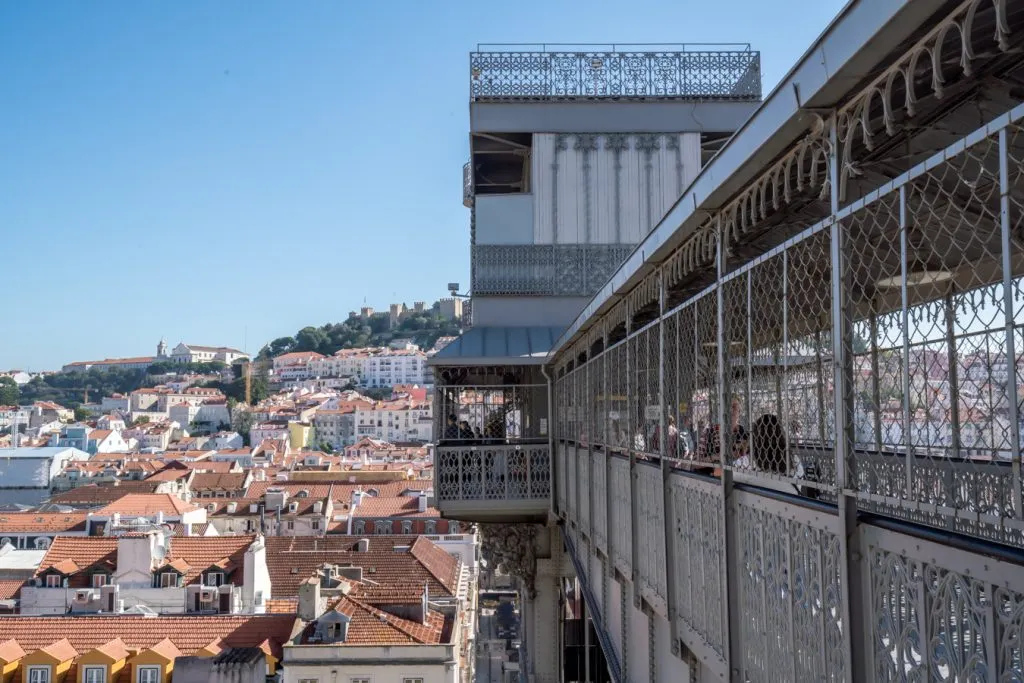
(228,172)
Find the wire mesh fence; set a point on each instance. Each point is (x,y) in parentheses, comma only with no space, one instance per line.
(927,291)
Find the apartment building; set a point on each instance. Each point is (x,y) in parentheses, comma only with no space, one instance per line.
(154,571)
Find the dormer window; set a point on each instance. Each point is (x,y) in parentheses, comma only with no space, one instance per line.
(39,674)
(99,580)
(214,579)
(431,526)
(53,580)
(94,674)
(168,580)
(302,494)
(148,674)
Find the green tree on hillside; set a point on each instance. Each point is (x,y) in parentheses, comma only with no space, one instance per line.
(9,392)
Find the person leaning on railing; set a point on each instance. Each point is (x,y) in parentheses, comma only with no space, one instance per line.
(769,454)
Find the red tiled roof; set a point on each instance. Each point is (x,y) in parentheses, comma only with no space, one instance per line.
(190,555)
(371,626)
(343,489)
(95,495)
(147,504)
(50,522)
(293,559)
(188,634)
(282,606)
(9,589)
(85,552)
(218,481)
(399,507)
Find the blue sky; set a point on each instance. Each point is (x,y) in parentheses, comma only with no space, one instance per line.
(228,172)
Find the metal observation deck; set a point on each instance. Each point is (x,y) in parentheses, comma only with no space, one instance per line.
(787,431)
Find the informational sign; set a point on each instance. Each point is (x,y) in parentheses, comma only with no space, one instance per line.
(652,412)
(543,426)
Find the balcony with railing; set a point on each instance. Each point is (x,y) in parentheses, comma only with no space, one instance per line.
(503,72)
(492,461)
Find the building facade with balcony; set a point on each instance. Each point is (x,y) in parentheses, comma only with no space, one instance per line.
(783,432)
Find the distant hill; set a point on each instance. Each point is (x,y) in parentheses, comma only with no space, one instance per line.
(422,328)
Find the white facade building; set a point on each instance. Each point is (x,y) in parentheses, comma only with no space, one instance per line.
(193,353)
(395,421)
(152,571)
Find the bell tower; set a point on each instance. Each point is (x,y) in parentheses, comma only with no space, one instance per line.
(161,349)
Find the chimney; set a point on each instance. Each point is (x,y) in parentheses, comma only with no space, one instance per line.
(421,502)
(109,598)
(363,545)
(309,599)
(357,497)
(318,507)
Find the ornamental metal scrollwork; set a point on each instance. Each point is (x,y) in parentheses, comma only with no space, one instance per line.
(926,58)
(592,75)
(510,547)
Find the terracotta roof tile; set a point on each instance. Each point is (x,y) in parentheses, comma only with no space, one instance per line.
(282,606)
(190,555)
(94,495)
(84,553)
(188,633)
(50,522)
(293,559)
(343,489)
(398,507)
(371,626)
(148,504)
(218,481)
(9,589)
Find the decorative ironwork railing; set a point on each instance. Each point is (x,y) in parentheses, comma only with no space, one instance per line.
(467,184)
(872,362)
(610,72)
(493,473)
(544,269)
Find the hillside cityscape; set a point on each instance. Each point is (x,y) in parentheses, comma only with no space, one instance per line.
(249,489)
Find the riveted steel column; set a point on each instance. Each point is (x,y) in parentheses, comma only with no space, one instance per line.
(1011,352)
(731,617)
(668,512)
(632,405)
(854,603)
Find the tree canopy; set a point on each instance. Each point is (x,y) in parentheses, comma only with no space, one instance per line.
(422,328)
(9,391)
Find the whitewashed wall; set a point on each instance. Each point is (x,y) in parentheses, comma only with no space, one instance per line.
(607,188)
